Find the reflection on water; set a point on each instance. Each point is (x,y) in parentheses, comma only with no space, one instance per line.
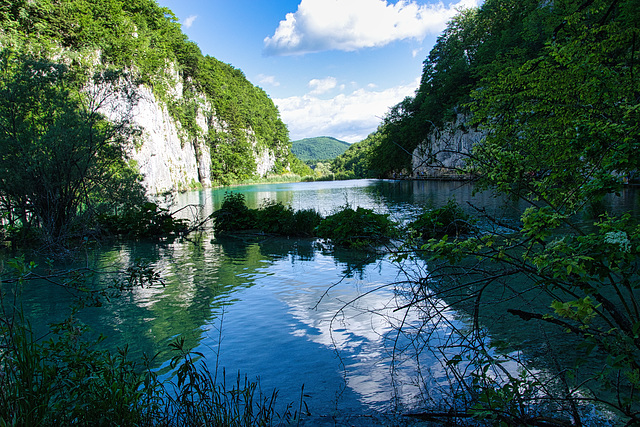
(290,311)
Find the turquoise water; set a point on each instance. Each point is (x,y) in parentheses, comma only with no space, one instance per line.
(292,312)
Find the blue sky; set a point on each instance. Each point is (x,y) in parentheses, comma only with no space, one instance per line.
(333,67)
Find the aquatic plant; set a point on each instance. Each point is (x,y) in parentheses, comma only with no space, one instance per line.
(233,215)
(449,220)
(271,218)
(357,228)
(147,220)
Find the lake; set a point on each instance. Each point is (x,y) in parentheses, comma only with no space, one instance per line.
(296,312)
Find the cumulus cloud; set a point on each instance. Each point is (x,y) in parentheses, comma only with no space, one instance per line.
(320,86)
(349,25)
(189,21)
(348,117)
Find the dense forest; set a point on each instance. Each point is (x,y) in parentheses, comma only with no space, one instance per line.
(490,56)
(318,149)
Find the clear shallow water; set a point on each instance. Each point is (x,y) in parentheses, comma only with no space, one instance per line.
(290,312)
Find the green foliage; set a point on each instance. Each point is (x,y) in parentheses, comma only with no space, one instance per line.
(242,107)
(357,161)
(276,218)
(58,154)
(66,379)
(233,215)
(322,148)
(475,44)
(298,167)
(565,117)
(204,400)
(357,228)
(146,39)
(272,218)
(147,220)
(448,220)
(562,129)
(352,228)
(306,222)
(232,157)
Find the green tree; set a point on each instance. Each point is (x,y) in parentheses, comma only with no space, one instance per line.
(357,161)
(58,153)
(232,156)
(471,47)
(563,130)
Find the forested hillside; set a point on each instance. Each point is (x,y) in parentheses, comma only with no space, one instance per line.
(553,88)
(146,40)
(579,53)
(103,101)
(322,148)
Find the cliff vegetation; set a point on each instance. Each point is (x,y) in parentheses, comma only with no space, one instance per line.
(104,101)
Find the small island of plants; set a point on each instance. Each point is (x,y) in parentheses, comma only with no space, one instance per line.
(352,228)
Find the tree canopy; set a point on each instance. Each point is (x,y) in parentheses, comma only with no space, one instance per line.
(59,157)
(555,88)
(147,39)
(473,46)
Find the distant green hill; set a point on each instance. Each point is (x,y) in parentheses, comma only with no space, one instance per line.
(319,148)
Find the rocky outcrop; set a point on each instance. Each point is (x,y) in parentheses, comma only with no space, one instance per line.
(165,161)
(169,158)
(443,153)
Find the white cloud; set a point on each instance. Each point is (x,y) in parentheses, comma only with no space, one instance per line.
(189,21)
(320,86)
(348,25)
(268,80)
(348,117)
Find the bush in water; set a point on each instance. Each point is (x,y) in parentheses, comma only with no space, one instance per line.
(447,220)
(357,228)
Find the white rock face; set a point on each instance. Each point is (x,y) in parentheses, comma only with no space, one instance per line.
(443,153)
(164,161)
(168,162)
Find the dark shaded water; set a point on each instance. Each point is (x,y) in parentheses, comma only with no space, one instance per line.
(291,312)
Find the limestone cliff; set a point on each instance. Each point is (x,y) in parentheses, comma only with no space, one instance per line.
(201,121)
(442,154)
(170,159)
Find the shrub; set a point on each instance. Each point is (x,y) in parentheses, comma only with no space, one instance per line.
(233,215)
(450,219)
(275,218)
(148,220)
(357,228)
(271,218)
(306,222)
